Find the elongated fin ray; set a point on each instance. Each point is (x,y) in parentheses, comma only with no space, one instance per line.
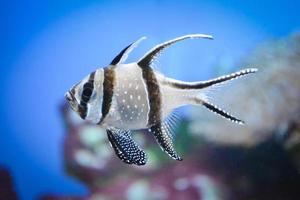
(151,55)
(122,56)
(171,123)
(219,111)
(164,137)
(125,147)
(212,82)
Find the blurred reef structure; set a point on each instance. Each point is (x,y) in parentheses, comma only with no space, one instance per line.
(221,160)
(269,102)
(7,190)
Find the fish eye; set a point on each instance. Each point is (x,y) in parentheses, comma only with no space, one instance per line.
(87,89)
(87,92)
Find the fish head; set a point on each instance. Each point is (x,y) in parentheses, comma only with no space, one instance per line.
(85,98)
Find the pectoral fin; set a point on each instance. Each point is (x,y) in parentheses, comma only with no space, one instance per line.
(125,147)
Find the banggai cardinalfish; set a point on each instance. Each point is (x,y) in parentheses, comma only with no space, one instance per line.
(124,97)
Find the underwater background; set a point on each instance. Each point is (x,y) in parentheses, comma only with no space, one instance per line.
(46,152)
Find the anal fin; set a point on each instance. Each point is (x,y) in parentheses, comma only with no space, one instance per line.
(164,137)
(125,147)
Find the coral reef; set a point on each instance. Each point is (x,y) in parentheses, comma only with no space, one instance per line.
(7,190)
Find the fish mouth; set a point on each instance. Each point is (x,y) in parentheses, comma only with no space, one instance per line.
(71,100)
(69,96)
(75,105)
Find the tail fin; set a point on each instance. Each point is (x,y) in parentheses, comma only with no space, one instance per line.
(216,81)
(219,111)
(197,96)
(205,84)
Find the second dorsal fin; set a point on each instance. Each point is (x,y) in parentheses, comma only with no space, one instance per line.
(148,58)
(122,56)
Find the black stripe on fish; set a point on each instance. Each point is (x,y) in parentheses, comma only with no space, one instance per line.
(87,91)
(108,91)
(154,95)
(205,84)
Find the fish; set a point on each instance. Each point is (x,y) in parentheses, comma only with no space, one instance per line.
(125,97)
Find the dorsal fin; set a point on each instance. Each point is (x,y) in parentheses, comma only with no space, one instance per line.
(148,58)
(122,56)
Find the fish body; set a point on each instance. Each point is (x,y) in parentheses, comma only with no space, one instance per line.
(124,97)
(130,105)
